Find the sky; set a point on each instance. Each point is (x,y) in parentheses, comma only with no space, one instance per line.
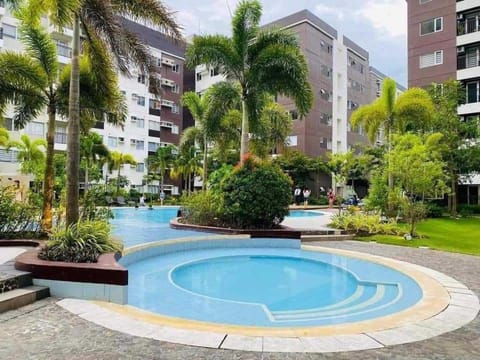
(379,26)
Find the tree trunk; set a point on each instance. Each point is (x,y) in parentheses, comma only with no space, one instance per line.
(87,165)
(73,134)
(390,175)
(161,189)
(118,179)
(49,178)
(205,167)
(453,196)
(244,139)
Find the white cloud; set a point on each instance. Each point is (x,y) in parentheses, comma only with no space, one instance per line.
(386,15)
(321,9)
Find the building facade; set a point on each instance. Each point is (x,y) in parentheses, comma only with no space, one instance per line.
(341,78)
(444,44)
(152,121)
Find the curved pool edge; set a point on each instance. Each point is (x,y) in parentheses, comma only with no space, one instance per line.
(447,305)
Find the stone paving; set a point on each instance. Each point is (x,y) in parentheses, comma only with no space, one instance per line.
(43,330)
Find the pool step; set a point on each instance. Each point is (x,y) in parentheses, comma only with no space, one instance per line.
(14,299)
(333,237)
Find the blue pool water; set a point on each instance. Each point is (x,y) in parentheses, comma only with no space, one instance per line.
(268,286)
(303,213)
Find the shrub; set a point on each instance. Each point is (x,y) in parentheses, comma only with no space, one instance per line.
(17,219)
(469,210)
(364,224)
(202,208)
(256,196)
(434,210)
(83,242)
(321,200)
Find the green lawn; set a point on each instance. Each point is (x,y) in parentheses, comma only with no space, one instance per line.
(461,236)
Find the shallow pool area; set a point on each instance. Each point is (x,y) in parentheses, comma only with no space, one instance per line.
(266,283)
(304,213)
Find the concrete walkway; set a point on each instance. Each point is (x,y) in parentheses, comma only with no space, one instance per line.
(9,253)
(313,223)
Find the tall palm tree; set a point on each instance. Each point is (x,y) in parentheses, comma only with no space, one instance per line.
(31,83)
(31,153)
(117,160)
(392,113)
(102,25)
(259,60)
(160,163)
(4,136)
(93,152)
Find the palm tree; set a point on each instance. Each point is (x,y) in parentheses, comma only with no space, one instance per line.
(160,163)
(4,136)
(187,165)
(261,61)
(116,161)
(412,109)
(31,83)
(30,153)
(102,26)
(92,152)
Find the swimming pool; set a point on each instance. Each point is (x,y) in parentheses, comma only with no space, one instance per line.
(266,283)
(304,213)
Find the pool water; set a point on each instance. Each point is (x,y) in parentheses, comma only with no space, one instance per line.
(304,213)
(267,286)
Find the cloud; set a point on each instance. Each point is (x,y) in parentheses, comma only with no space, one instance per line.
(322,10)
(387,15)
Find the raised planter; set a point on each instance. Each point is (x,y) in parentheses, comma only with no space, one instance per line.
(282,232)
(104,280)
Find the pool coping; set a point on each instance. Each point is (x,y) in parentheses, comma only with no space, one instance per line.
(448,305)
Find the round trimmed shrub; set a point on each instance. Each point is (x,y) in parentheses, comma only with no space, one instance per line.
(256,196)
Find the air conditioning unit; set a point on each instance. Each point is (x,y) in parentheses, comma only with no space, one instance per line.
(121,140)
(134,97)
(459,16)
(461,50)
(133,142)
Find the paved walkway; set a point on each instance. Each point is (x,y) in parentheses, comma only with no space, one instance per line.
(9,253)
(311,223)
(45,331)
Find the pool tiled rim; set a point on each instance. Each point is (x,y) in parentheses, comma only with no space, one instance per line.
(448,305)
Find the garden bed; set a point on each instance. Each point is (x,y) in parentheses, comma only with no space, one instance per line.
(280,232)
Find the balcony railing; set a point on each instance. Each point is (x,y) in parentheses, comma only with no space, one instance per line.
(470,25)
(469,60)
(63,50)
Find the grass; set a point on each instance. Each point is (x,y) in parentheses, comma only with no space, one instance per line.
(454,235)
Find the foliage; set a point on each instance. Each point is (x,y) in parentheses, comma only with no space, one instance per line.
(83,242)
(18,219)
(256,195)
(434,210)
(469,210)
(93,154)
(90,209)
(202,208)
(115,162)
(4,136)
(349,166)
(216,178)
(300,167)
(159,163)
(187,164)
(30,154)
(365,224)
(261,61)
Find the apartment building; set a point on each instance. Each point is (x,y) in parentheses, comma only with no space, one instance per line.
(443,44)
(341,78)
(151,123)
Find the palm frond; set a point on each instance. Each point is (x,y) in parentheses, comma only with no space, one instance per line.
(271,37)
(194,104)
(151,11)
(61,12)
(245,25)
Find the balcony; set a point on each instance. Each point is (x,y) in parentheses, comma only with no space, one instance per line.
(468,62)
(166,124)
(468,28)
(60,138)
(168,62)
(64,53)
(154,112)
(167,103)
(167,82)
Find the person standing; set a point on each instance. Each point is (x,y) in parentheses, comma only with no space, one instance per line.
(297,194)
(306,195)
(331,198)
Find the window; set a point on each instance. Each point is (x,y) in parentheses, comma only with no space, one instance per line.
(138,122)
(174,129)
(424,1)
(152,147)
(431,26)
(214,71)
(294,114)
(154,125)
(112,141)
(9,31)
(473,94)
(175,89)
(326,95)
(139,99)
(325,119)
(326,71)
(35,128)
(325,47)
(351,105)
(175,68)
(140,167)
(199,76)
(63,49)
(8,156)
(355,64)
(175,109)
(292,140)
(8,123)
(435,58)
(140,145)
(141,79)
(154,104)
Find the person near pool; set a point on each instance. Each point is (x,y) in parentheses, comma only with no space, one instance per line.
(142,200)
(297,194)
(331,198)
(306,195)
